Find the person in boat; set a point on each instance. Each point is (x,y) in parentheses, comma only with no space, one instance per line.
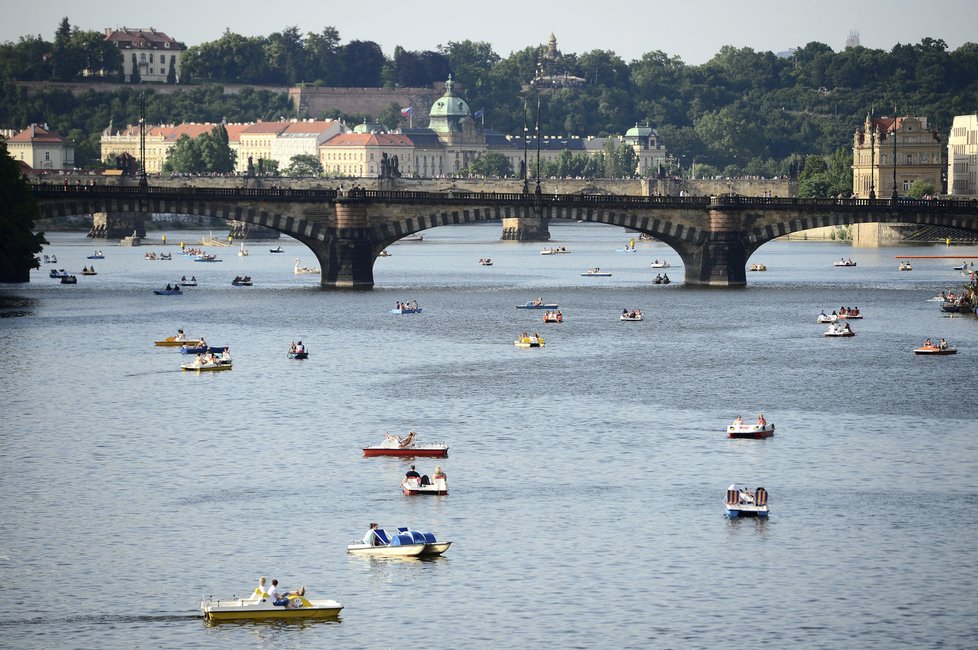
(277,599)
(624,312)
(226,355)
(371,538)
(412,474)
(292,348)
(392,439)
(408,440)
(193,278)
(261,590)
(846,328)
(761,422)
(560,316)
(300,347)
(738,421)
(942,345)
(168,287)
(198,360)
(538,301)
(439,473)
(176,287)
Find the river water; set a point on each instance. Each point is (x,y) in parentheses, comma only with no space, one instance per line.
(586,478)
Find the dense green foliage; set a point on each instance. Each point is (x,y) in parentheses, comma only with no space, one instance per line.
(742,112)
(19,244)
(490,164)
(209,153)
(831,177)
(304,165)
(72,55)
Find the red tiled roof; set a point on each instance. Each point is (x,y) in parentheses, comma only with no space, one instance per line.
(172,134)
(265,127)
(316,126)
(368,140)
(34,133)
(143,39)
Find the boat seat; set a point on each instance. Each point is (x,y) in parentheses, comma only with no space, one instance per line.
(733,497)
(760,497)
(382,536)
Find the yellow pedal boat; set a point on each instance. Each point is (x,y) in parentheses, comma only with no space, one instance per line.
(257,608)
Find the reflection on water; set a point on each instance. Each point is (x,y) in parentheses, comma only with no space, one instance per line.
(587,479)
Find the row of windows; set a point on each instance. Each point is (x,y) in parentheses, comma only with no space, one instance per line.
(142,58)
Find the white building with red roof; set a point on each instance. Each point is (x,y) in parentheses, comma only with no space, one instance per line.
(42,149)
(150,52)
(360,154)
(302,137)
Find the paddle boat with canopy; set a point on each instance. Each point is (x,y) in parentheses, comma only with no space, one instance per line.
(402,543)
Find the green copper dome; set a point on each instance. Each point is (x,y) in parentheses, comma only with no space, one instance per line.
(448,110)
(638,132)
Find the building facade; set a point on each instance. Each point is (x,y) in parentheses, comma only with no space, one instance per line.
(41,149)
(302,138)
(962,157)
(904,146)
(150,52)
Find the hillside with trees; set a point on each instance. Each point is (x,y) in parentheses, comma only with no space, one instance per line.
(741,112)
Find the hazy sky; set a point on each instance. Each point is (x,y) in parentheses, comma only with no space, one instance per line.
(691,29)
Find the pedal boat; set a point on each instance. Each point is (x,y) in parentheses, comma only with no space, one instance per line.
(741,502)
(826,318)
(835,330)
(530,304)
(633,317)
(298,355)
(437,486)
(256,608)
(405,543)
(596,273)
(174,342)
(754,431)
(207,367)
(392,448)
(656,264)
(529,342)
(407,310)
(934,350)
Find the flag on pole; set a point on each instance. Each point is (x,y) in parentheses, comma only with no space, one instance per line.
(481,113)
(409,112)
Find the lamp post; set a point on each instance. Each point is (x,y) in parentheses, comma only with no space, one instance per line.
(538,191)
(526,144)
(872,157)
(142,140)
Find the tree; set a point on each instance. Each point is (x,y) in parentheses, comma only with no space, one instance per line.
(134,76)
(184,158)
(171,74)
(304,164)
(19,244)
(919,189)
(64,57)
(491,164)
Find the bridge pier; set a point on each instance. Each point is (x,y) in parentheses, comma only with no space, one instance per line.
(720,260)
(116,225)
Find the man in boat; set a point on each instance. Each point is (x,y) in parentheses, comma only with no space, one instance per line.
(407,441)
(279,600)
(412,473)
(371,538)
(226,355)
(538,301)
(292,348)
(299,347)
(942,345)
(738,421)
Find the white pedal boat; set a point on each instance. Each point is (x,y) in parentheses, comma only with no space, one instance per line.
(403,543)
(257,608)
(741,502)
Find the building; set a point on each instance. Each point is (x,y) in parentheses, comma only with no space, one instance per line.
(962,157)
(160,139)
(918,156)
(361,154)
(150,52)
(41,149)
(302,138)
(255,142)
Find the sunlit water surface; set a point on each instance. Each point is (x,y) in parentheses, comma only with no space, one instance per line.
(586,478)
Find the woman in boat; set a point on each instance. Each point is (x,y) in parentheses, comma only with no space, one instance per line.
(738,421)
(408,439)
(761,422)
(226,355)
(371,538)
(292,348)
(439,473)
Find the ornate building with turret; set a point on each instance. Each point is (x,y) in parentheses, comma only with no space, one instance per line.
(904,146)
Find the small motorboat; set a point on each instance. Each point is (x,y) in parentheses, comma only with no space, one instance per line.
(952,307)
(406,447)
(656,264)
(844,262)
(934,350)
(835,329)
(965,266)
(905,266)
(69,279)
(485,261)
(242,252)
(417,237)
(553,317)
(241,281)
(634,315)
(529,342)
(210,366)
(60,273)
(207,257)
(88,271)
(662,279)
(629,248)
(596,272)
(403,543)
(166,257)
(436,486)
(384,253)
(97,255)
(757,267)
(537,304)
(53,260)
(406,308)
(741,502)
(277,249)
(759,431)
(173,291)
(257,607)
(304,270)
(827,318)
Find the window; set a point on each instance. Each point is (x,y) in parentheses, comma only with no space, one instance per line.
(142,57)
(909,158)
(906,185)
(47,155)
(150,57)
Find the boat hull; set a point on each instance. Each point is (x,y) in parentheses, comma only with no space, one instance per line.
(215,368)
(936,352)
(753,432)
(735,512)
(404,550)
(298,355)
(407,452)
(407,311)
(218,612)
(167,292)
(540,306)
(426,490)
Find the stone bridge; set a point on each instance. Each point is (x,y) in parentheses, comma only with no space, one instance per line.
(714,236)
